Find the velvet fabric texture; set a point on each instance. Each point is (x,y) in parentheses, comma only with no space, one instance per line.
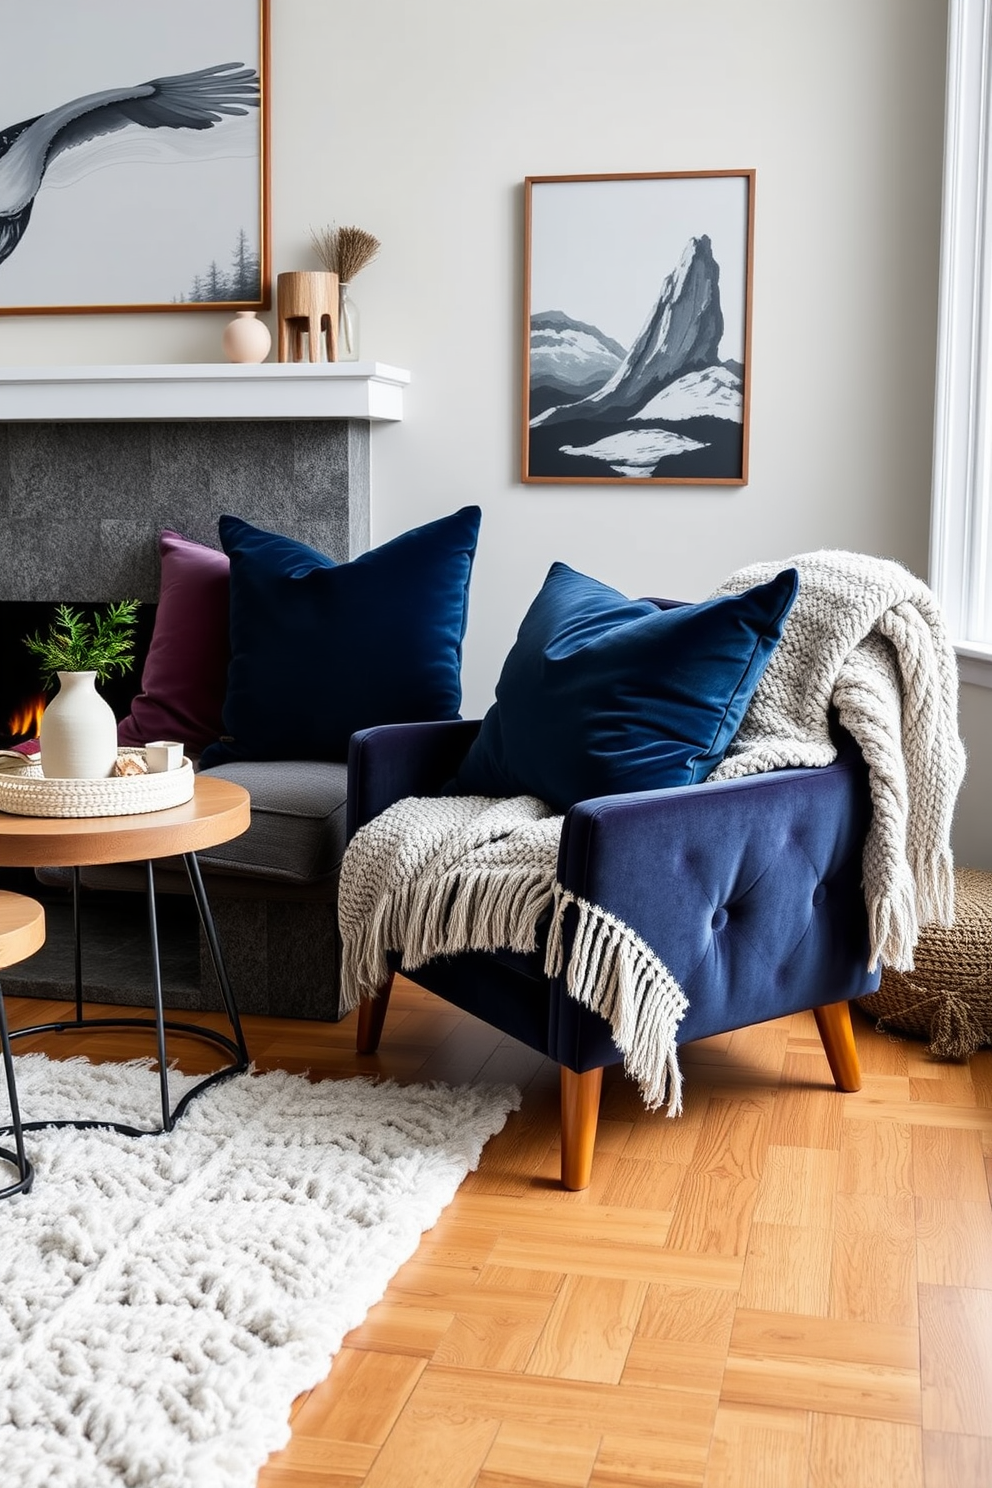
(185,672)
(320,649)
(601,694)
(749,890)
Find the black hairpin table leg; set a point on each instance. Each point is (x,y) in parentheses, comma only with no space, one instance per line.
(218,811)
(18,1158)
(234,1047)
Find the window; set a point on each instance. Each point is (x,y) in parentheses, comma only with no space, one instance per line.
(961,531)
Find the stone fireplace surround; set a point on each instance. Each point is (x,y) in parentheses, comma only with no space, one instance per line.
(95,462)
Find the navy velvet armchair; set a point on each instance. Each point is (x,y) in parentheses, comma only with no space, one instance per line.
(748,890)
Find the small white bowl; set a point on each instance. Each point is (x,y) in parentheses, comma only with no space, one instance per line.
(163,754)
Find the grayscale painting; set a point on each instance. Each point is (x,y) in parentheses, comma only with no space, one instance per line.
(637,322)
(131,154)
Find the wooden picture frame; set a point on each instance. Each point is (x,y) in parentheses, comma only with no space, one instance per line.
(637,325)
(134,156)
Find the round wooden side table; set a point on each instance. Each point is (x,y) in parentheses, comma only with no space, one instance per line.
(22,932)
(218,810)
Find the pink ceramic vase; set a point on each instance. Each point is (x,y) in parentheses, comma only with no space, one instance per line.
(246,338)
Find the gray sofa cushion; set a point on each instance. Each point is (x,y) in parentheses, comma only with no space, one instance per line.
(297,831)
(293,848)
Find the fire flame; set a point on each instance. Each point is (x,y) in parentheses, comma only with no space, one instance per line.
(25,721)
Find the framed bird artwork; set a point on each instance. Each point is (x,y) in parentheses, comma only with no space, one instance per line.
(134,161)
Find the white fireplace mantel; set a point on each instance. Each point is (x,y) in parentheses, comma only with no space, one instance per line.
(204,390)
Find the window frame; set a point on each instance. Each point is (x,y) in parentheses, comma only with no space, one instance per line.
(961,521)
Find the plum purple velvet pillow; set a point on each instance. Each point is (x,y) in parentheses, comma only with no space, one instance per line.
(185,673)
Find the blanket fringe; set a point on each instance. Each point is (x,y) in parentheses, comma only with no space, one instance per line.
(475,910)
(470,910)
(613,972)
(364,967)
(893,928)
(936,890)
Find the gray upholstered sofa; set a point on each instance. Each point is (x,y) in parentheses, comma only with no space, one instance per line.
(264,660)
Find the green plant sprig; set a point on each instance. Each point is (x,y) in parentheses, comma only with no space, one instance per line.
(74,643)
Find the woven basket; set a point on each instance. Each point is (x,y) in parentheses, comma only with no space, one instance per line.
(947,998)
(29,793)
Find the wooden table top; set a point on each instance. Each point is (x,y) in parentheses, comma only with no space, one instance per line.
(218,811)
(22,927)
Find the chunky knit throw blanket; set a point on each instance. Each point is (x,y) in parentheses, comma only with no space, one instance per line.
(867,636)
(436,876)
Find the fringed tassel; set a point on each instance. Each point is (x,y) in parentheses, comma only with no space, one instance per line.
(616,974)
(935,891)
(905,906)
(893,927)
(948,1014)
(954,1033)
(474,910)
(434,877)
(364,968)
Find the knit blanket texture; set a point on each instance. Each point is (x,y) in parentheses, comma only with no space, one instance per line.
(439,876)
(436,876)
(868,637)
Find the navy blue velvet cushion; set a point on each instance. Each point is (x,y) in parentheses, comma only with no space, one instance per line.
(601,694)
(320,649)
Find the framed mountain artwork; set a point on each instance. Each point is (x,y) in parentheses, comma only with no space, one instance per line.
(133,156)
(637,325)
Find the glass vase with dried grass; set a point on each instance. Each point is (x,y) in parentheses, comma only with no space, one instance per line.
(345,251)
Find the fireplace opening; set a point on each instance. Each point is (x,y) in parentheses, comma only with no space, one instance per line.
(22,697)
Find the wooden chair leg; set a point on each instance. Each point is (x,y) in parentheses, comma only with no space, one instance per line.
(833,1023)
(371,1016)
(579,1119)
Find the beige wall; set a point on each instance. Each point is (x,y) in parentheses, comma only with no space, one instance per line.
(420,121)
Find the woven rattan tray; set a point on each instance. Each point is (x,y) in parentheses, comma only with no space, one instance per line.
(27,792)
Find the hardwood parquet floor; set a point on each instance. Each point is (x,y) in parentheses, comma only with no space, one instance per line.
(785,1288)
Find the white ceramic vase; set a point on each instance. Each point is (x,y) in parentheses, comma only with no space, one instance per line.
(78,733)
(246,338)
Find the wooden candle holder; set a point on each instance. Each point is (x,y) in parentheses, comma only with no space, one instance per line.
(307,305)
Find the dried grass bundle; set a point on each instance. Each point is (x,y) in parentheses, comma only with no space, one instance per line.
(344,250)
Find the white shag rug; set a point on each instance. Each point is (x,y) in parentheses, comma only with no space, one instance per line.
(164,1299)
